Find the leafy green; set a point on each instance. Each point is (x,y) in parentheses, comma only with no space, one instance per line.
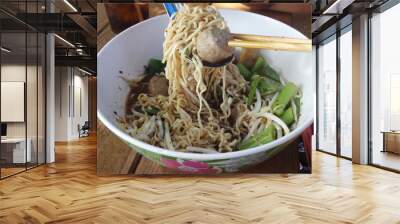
(152,110)
(269,72)
(284,97)
(259,65)
(265,136)
(154,66)
(253,88)
(244,71)
(288,116)
(268,86)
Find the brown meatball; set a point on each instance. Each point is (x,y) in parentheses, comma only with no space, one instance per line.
(212,45)
(158,85)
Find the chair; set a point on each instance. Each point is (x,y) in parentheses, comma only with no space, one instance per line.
(84,130)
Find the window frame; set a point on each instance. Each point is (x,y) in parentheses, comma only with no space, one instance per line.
(347,27)
(27,29)
(378,10)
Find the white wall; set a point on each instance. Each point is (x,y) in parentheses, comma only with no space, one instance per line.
(33,126)
(61,103)
(12,73)
(70,83)
(81,94)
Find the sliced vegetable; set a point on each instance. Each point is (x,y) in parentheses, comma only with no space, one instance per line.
(284,97)
(277,120)
(259,65)
(152,110)
(244,71)
(297,101)
(288,116)
(154,66)
(269,72)
(253,88)
(268,86)
(257,105)
(263,137)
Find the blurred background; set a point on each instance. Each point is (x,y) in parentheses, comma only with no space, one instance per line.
(121,15)
(48,79)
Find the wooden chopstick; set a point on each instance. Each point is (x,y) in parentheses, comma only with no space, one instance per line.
(276,46)
(251,37)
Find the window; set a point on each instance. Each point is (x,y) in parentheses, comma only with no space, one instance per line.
(327,96)
(22,76)
(394,102)
(385,89)
(346,93)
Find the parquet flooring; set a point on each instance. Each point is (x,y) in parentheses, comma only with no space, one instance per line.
(69,191)
(11,170)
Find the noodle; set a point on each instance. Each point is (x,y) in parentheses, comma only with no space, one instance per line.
(196,114)
(187,71)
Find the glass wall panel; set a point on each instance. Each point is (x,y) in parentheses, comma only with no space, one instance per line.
(31,98)
(327,96)
(41,79)
(13,94)
(22,88)
(346,94)
(41,89)
(32,89)
(385,89)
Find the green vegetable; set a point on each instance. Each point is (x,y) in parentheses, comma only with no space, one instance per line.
(152,110)
(263,137)
(259,65)
(268,86)
(244,71)
(253,88)
(269,72)
(154,66)
(288,116)
(297,102)
(284,97)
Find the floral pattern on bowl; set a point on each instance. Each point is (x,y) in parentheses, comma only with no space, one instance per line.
(188,166)
(210,166)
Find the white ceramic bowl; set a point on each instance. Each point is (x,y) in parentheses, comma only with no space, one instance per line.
(130,50)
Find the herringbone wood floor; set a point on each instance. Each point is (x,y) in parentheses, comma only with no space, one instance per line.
(70,192)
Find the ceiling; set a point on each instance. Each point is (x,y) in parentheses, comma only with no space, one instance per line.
(330,15)
(16,43)
(73,20)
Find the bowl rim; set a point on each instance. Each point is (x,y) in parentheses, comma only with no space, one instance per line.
(195,156)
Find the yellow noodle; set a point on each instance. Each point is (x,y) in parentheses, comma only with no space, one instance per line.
(201,99)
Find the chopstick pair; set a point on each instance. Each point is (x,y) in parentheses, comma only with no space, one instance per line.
(270,43)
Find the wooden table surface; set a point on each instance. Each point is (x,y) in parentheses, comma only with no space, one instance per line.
(115,157)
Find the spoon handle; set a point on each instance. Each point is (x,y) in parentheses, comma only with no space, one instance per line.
(171,9)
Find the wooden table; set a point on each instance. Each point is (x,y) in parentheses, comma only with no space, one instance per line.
(115,157)
(13,150)
(391,141)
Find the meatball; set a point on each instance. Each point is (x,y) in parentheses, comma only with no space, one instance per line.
(158,85)
(212,45)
